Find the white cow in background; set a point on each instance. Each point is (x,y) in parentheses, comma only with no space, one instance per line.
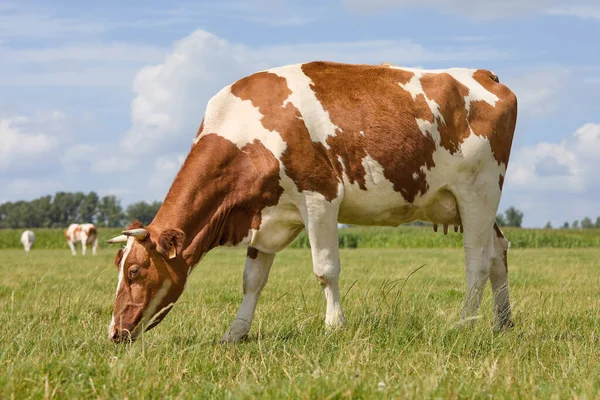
(27,238)
(84,233)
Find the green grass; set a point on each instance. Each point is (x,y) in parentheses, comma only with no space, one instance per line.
(364,237)
(55,308)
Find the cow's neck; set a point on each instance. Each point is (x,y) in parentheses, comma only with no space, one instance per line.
(200,203)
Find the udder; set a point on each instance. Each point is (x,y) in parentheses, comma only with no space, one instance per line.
(441,208)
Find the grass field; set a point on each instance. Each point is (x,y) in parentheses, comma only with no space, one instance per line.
(401,339)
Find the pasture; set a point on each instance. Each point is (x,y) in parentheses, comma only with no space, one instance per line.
(401,339)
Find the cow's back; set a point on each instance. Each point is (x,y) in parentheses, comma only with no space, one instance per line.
(392,137)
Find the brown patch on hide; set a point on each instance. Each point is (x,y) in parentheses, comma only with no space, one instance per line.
(496,123)
(369,99)
(306,162)
(449,94)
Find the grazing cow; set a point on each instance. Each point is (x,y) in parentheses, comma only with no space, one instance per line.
(27,238)
(84,233)
(305,146)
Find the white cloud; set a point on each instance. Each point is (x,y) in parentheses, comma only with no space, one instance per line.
(556,181)
(582,12)
(91,64)
(20,146)
(29,188)
(17,22)
(478,9)
(165,169)
(540,90)
(275,13)
(112,164)
(569,166)
(77,156)
(42,142)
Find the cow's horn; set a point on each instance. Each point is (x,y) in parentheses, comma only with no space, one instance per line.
(138,233)
(117,239)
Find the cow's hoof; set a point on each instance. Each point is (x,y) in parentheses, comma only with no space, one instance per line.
(467,322)
(505,324)
(231,338)
(335,325)
(237,332)
(335,320)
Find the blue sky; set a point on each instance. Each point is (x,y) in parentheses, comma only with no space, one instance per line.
(107,96)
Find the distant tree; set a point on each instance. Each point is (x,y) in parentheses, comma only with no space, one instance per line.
(597,224)
(548,225)
(514,217)
(143,211)
(18,214)
(110,213)
(575,224)
(41,208)
(500,221)
(64,210)
(587,223)
(88,208)
(565,225)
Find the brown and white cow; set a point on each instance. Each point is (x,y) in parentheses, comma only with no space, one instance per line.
(305,146)
(84,234)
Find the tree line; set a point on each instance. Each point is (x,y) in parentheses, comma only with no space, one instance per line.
(514,217)
(65,208)
(585,223)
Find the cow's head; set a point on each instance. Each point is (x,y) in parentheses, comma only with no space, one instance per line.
(152,275)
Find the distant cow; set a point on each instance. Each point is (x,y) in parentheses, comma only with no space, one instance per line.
(84,233)
(27,238)
(307,146)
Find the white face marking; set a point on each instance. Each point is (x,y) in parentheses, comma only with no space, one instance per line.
(160,295)
(158,314)
(130,241)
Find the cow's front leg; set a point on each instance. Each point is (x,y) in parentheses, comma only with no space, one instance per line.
(322,232)
(256,274)
(72,247)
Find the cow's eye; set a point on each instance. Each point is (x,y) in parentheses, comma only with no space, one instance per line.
(133,272)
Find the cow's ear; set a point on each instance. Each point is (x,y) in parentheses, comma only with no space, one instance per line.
(170,243)
(118,258)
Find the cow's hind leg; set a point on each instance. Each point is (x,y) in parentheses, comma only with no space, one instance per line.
(322,229)
(499,280)
(256,274)
(95,246)
(477,203)
(478,248)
